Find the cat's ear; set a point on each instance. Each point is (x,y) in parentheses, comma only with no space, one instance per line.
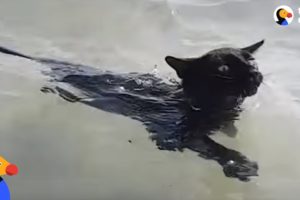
(254,47)
(179,65)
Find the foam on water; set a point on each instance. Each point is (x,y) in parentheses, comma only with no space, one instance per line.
(205,3)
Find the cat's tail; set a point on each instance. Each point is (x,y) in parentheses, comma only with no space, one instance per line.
(14,53)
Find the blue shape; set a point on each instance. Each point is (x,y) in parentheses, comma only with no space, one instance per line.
(284,23)
(4,191)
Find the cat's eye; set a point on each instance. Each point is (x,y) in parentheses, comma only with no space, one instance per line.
(223,68)
(0,163)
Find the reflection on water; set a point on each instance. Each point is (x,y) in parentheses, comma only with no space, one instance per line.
(73,151)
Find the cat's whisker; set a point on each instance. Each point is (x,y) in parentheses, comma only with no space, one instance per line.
(267,74)
(266,77)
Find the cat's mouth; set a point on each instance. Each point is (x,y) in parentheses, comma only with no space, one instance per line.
(249,92)
(252,83)
(248,85)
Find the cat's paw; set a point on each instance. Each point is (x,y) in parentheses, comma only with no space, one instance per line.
(242,170)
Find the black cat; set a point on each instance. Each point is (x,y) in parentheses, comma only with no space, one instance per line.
(178,115)
(217,82)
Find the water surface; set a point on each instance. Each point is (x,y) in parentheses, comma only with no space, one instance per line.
(72,151)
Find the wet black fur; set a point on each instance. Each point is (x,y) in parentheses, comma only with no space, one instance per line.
(177,115)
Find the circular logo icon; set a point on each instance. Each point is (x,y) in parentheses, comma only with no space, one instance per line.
(283,15)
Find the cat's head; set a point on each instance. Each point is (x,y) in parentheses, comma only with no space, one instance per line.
(221,73)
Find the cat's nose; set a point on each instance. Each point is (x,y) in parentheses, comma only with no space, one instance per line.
(257,77)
